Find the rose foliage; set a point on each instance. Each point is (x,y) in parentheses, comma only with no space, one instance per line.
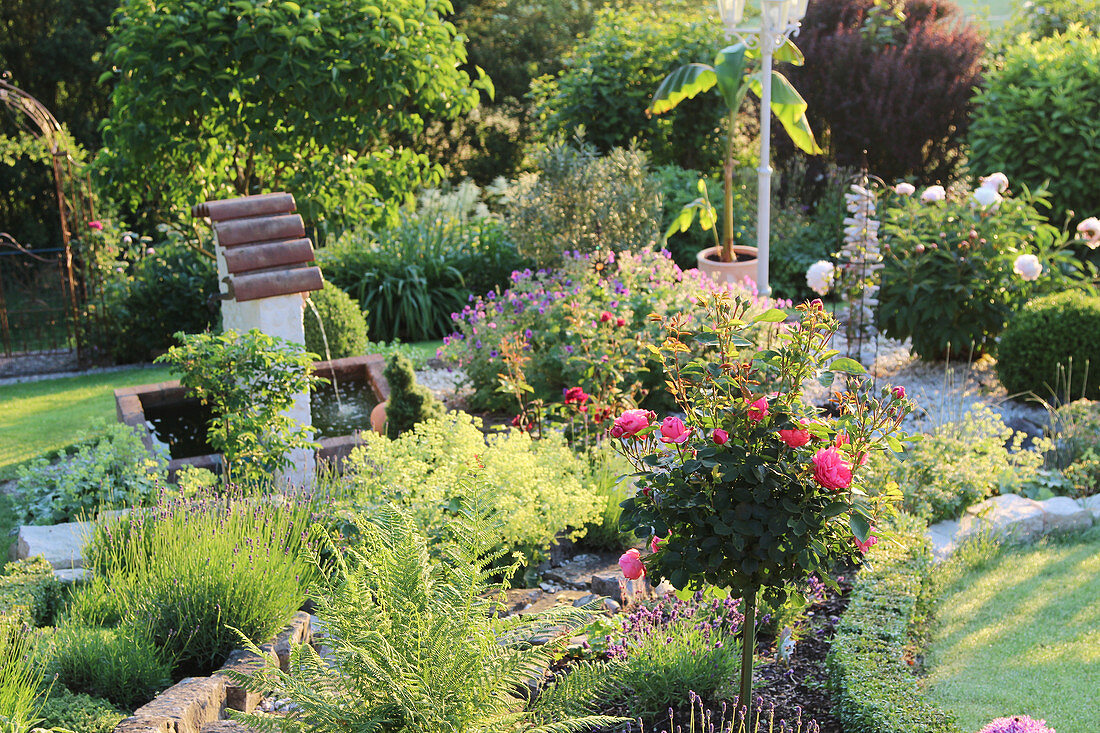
(737,504)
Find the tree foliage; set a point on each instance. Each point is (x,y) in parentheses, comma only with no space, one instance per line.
(312,96)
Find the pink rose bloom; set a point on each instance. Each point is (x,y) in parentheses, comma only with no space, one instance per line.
(863,547)
(721,437)
(758,410)
(655,543)
(899,392)
(97,225)
(1090,228)
(796,437)
(631,564)
(630,423)
(673,430)
(831,470)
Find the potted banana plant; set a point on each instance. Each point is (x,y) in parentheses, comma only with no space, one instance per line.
(732,76)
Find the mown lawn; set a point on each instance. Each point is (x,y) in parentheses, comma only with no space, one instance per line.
(1022,636)
(44,416)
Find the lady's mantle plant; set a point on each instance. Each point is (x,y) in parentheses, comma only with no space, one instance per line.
(752,490)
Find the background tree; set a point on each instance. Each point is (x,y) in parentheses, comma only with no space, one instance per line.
(312,97)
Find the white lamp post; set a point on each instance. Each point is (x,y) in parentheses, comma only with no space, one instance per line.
(778,20)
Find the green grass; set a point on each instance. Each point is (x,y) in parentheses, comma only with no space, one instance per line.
(41,417)
(1021,636)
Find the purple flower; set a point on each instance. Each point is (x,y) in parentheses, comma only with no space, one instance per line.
(1017,724)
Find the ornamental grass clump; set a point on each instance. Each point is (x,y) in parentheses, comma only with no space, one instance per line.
(20,680)
(751,490)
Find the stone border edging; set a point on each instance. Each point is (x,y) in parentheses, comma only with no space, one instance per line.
(198,704)
(1014,518)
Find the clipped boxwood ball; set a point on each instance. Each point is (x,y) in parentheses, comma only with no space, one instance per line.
(345,325)
(1046,335)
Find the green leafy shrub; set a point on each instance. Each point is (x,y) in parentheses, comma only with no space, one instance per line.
(112,472)
(122,666)
(1050,347)
(905,83)
(581,201)
(29,592)
(1084,474)
(958,465)
(170,289)
(249,381)
(410,277)
(342,330)
(190,572)
(610,75)
(679,187)
(951,279)
(79,713)
(584,324)
(409,403)
(1074,431)
(874,690)
(1033,83)
(607,470)
(536,485)
(1045,18)
(417,644)
(20,680)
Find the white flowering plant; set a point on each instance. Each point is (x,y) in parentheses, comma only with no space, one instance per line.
(960,261)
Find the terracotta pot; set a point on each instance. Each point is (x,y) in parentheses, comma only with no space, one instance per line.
(728,272)
(378,418)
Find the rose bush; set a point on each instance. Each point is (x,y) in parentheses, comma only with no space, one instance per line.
(734,503)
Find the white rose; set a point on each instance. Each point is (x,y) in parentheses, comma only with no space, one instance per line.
(820,276)
(1028,267)
(1091,229)
(933,194)
(987,196)
(905,189)
(997,181)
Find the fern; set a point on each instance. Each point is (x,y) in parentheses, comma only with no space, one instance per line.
(418,646)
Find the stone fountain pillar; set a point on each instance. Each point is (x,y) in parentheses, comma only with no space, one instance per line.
(264,277)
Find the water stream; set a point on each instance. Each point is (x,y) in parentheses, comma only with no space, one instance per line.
(328,354)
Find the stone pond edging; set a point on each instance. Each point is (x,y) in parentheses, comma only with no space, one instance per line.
(1014,518)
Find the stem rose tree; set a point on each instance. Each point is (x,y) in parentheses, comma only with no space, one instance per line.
(752,490)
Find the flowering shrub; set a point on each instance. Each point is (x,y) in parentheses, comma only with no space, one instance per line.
(735,502)
(675,646)
(754,490)
(585,324)
(959,263)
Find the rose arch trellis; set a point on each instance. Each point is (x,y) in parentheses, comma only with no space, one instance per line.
(75,203)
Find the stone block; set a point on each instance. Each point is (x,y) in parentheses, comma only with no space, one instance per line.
(1092,503)
(226,726)
(73,575)
(1009,517)
(942,538)
(621,590)
(1063,514)
(298,631)
(188,705)
(136,724)
(61,544)
(237,697)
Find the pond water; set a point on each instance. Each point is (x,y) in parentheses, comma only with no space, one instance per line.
(182,425)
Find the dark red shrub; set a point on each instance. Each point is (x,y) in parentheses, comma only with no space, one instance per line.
(892,95)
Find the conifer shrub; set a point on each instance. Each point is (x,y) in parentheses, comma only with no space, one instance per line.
(1051,347)
(344,327)
(410,403)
